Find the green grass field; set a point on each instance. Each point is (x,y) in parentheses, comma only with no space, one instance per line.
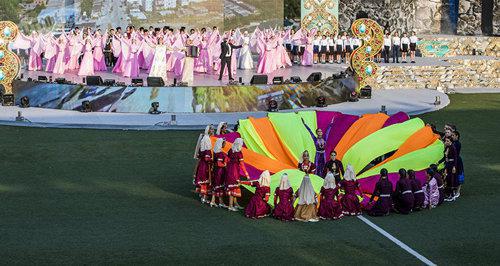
(124,197)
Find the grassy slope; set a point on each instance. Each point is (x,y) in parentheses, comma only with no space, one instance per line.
(94,196)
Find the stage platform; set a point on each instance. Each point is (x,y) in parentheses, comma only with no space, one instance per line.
(411,101)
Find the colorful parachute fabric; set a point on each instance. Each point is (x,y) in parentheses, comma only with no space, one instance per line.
(369,143)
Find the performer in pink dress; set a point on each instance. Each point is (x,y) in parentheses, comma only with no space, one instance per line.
(219,175)
(350,202)
(130,55)
(257,206)
(99,61)
(307,57)
(267,63)
(75,48)
(50,51)
(35,58)
(203,169)
(87,64)
(283,60)
(329,205)
(283,200)
(60,64)
(235,170)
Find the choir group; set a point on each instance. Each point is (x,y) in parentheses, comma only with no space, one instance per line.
(218,175)
(161,50)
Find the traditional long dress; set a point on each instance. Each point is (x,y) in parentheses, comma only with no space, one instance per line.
(283,60)
(50,54)
(403,196)
(159,66)
(439,180)
(220,163)
(131,63)
(202,63)
(202,176)
(336,168)
(235,170)
(306,208)
(383,190)
(350,202)
(307,167)
(75,48)
(99,60)
(35,58)
(245,60)
(258,207)
(320,144)
(283,204)
(307,57)
(267,62)
(431,193)
(329,206)
(60,65)
(87,64)
(418,193)
(451,161)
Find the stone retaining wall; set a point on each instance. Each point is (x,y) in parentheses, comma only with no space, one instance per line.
(459,45)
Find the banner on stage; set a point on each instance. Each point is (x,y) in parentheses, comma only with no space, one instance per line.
(320,14)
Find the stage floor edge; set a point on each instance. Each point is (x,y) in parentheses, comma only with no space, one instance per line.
(411,101)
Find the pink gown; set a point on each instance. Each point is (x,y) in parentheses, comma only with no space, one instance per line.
(307,57)
(99,62)
(267,62)
(75,48)
(50,54)
(131,61)
(60,64)
(87,64)
(202,63)
(35,58)
(283,59)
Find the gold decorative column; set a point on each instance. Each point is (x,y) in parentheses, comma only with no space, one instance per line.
(9,61)
(361,61)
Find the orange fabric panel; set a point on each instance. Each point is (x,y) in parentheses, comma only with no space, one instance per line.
(419,140)
(257,160)
(363,127)
(272,141)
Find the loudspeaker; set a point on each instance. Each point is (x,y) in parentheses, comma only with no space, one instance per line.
(314,77)
(137,82)
(60,80)
(295,79)
(93,81)
(155,82)
(259,80)
(278,80)
(321,101)
(109,82)
(42,78)
(365,93)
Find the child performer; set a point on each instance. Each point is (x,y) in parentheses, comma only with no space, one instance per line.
(283,200)
(413,46)
(257,206)
(350,201)
(203,171)
(306,208)
(329,206)
(416,188)
(383,190)
(316,47)
(235,166)
(403,196)
(405,45)
(323,49)
(431,191)
(219,176)
(306,165)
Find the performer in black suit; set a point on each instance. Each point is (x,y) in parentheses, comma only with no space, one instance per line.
(225,57)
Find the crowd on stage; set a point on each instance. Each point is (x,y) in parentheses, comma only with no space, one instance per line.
(158,51)
(218,178)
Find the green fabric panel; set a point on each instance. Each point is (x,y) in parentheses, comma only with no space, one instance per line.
(417,160)
(380,142)
(293,133)
(252,139)
(295,176)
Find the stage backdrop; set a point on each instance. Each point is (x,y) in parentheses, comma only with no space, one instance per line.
(320,14)
(55,14)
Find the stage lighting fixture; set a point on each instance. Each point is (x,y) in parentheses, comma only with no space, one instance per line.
(93,81)
(25,102)
(277,80)
(109,82)
(366,92)
(383,109)
(42,78)
(272,106)
(321,101)
(353,97)
(60,80)
(86,107)
(137,82)
(259,80)
(314,77)
(155,82)
(154,108)
(295,79)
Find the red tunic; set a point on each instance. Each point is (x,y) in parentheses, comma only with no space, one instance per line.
(235,170)
(219,175)
(329,206)
(202,176)
(257,207)
(350,202)
(283,204)
(307,167)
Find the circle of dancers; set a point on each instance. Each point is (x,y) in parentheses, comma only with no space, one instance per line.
(219,176)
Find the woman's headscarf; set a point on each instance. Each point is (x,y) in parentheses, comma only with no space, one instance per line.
(219,127)
(265,179)
(329,181)
(306,192)
(237,145)
(218,145)
(207,129)
(205,143)
(350,175)
(284,182)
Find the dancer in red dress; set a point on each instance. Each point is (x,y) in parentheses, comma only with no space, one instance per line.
(257,206)
(403,196)
(329,206)
(235,170)
(383,190)
(306,165)
(350,201)
(203,169)
(283,200)
(219,175)
(416,188)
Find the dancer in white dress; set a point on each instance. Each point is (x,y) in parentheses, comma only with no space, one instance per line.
(245,60)
(159,65)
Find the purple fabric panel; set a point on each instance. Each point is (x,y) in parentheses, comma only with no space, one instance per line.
(340,126)
(396,118)
(368,184)
(230,137)
(323,119)
(253,172)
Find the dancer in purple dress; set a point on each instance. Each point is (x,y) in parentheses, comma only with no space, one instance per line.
(257,206)
(320,143)
(219,175)
(416,188)
(329,205)
(383,190)
(203,172)
(283,200)
(403,196)
(350,201)
(431,191)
